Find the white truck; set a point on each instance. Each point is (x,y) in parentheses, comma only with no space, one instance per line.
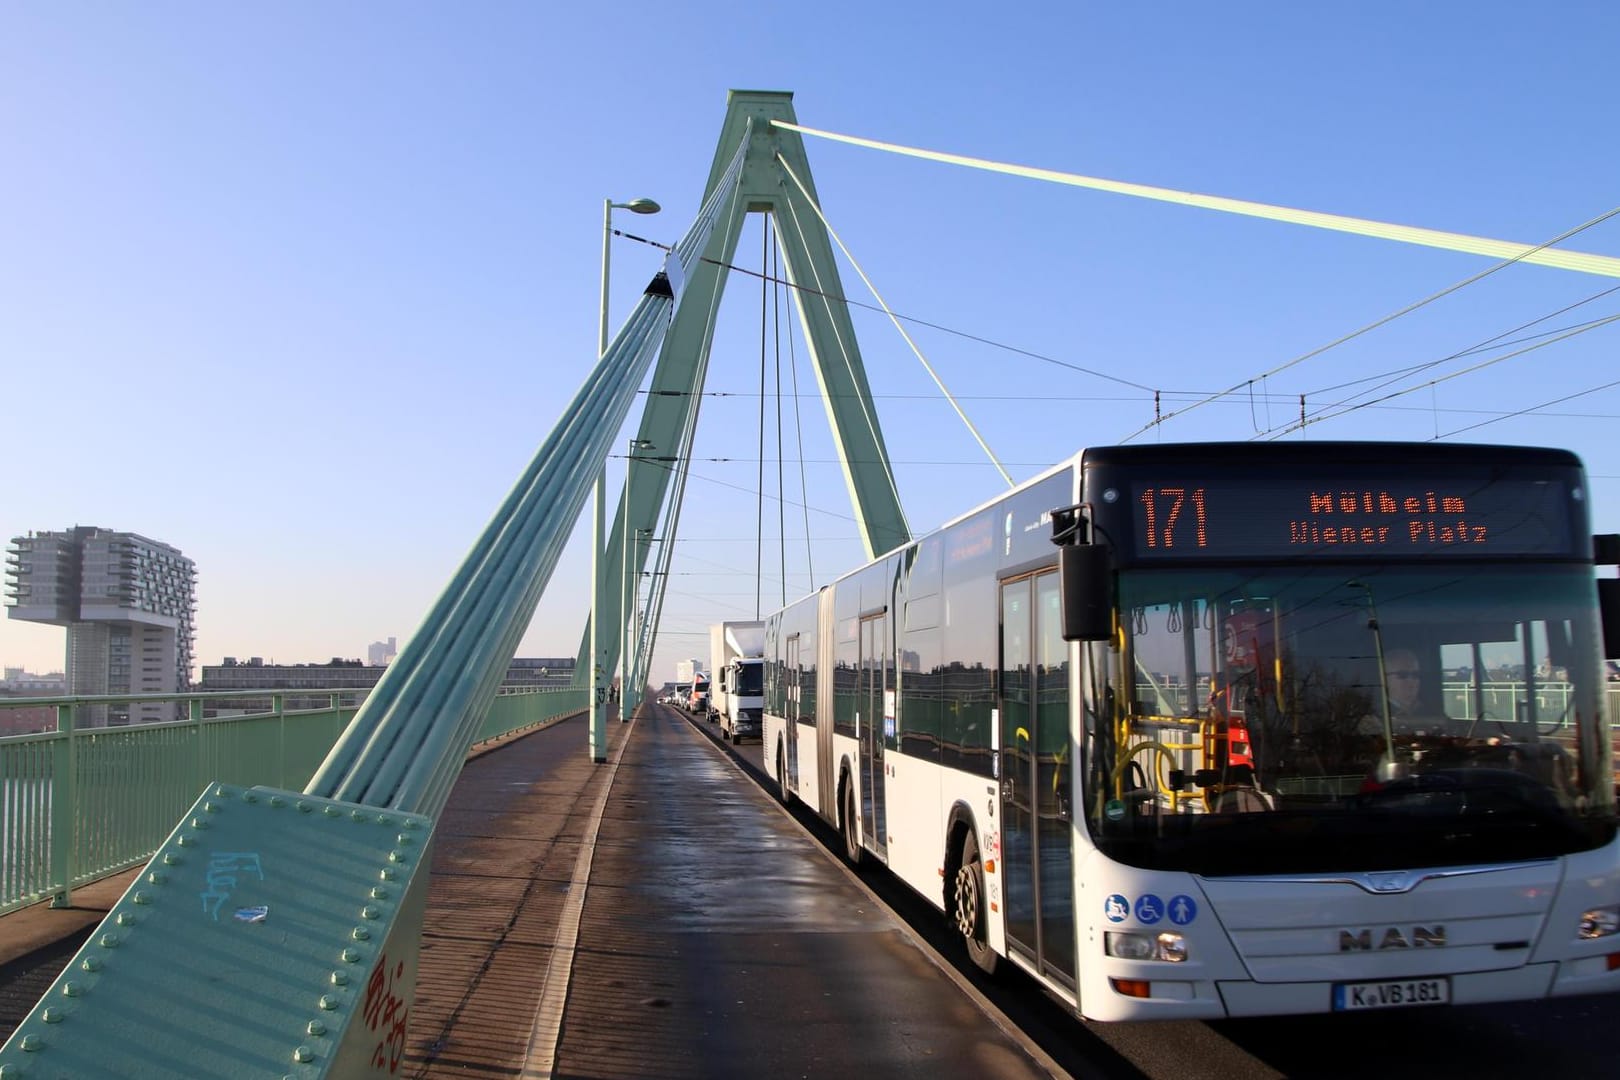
(737,678)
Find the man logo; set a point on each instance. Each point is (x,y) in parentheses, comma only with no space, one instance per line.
(1390,881)
(1420,937)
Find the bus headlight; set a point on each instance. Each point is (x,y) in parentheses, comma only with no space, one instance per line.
(1599,922)
(1167,946)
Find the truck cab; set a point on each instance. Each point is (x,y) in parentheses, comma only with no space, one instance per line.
(745,699)
(737,665)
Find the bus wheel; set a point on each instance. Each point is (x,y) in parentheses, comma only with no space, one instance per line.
(852,827)
(783,795)
(968,903)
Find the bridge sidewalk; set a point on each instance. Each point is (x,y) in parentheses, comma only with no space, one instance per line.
(41,926)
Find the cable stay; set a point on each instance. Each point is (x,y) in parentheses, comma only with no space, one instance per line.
(897,325)
(1508,250)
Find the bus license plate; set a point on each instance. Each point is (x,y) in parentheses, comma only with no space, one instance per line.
(1391,994)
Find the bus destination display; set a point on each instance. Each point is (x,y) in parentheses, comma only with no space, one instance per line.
(1188,517)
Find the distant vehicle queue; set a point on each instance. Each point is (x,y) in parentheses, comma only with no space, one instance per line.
(732,691)
(692,695)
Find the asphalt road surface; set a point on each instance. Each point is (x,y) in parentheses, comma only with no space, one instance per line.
(1572,1038)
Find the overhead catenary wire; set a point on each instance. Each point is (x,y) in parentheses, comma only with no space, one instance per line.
(1530,409)
(738,487)
(1330,410)
(1503,340)
(1466,371)
(1495,342)
(1376,323)
(915,320)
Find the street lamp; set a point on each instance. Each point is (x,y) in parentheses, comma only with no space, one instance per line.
(598,735)
(635,206)
(626,701)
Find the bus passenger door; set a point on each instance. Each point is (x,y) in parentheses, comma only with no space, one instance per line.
(791,713)
(1037,844)
(873,679)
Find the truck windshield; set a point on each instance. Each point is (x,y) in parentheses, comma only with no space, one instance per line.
(1316,719)
(751,679)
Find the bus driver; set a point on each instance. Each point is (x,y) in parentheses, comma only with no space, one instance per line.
(1410,712)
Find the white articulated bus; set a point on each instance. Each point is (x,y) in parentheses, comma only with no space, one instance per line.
(1234,729)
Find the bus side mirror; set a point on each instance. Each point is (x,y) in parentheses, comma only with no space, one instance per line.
(1083,589)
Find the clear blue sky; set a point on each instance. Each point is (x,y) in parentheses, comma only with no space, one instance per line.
(298,288)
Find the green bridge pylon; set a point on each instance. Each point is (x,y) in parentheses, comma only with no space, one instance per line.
(669,419)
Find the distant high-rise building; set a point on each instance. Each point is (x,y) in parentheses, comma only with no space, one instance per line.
(127,603)
(379,653)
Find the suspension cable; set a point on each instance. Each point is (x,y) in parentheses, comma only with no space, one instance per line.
(897,325)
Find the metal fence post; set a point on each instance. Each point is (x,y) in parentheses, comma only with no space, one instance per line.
(64,785)
(202,753)
(278,705)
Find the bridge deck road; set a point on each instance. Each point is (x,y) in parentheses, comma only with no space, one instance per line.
(715,938)
(718,940)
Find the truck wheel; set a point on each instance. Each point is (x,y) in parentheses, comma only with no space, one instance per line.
(967,903)
(853,852)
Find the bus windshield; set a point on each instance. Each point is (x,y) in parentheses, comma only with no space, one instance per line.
(1309,719)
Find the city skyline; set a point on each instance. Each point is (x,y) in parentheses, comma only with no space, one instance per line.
(316,282)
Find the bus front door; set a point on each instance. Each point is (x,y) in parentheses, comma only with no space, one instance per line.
(1037,842)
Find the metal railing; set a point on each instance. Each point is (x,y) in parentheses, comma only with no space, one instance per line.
(80,803)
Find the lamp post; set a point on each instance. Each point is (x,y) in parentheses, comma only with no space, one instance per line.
(599,674)
(626,697)
(635,206)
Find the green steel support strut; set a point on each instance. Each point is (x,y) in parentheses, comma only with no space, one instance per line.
(671,413)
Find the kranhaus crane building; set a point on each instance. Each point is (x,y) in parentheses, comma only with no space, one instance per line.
(128,604)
